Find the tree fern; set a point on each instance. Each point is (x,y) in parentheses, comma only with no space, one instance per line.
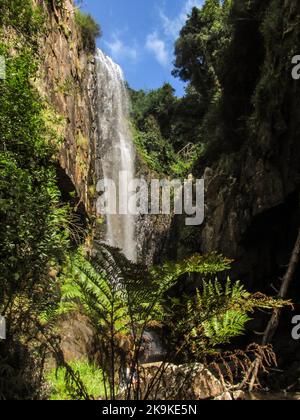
(124,300)
(214,316)
(221,330)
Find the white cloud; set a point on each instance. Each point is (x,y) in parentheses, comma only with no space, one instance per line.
(161,42)
(173,26)
(158,47)
(119,51)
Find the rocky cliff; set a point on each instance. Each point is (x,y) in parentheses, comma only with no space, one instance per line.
(252,191)
(68,82)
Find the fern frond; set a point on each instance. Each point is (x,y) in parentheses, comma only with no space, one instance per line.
(221,330)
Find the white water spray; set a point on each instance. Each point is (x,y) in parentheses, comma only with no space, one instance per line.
(116,151)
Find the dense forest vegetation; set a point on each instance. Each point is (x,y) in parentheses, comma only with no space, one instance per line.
(231,55)
(231,58)
(187,124)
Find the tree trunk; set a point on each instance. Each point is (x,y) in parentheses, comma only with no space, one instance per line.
(274,321)
(288,278)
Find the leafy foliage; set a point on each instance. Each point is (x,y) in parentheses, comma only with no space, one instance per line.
(90,29)
(215,315)
(89,374)
(183,127)
(21,16)
(162,127)
(33,222)
(219,54)
(31,217)
(200,45)
(274,85)
(123,301)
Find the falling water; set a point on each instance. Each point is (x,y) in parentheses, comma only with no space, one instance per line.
(116,150)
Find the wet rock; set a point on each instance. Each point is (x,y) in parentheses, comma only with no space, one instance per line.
(224,397)
(238,395)
(182,383)
(77,337)
(153,348)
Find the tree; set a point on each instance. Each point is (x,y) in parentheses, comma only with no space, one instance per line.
(199,47)
(90,30)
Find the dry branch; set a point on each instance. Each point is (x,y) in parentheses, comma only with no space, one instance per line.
(274,321)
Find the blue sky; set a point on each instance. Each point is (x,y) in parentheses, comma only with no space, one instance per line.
(139,35)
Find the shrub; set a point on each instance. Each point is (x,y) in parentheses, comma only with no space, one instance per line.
(23,16)
(90,30)
(33,221)
(89,374)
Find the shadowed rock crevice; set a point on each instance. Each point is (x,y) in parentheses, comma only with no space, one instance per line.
(69,196)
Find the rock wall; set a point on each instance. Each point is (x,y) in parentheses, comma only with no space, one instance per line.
(181,383)
(152,231)
(252,193)
(68,82)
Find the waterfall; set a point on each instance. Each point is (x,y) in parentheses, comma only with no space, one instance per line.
(115,148)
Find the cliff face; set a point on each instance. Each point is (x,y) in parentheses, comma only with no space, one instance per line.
(254,207)
(68,82)
(252,193)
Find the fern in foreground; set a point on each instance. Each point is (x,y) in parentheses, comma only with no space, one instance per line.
(124,300)
(89,374)
(213,316)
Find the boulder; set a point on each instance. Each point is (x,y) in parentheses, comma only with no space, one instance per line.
(77,337)
(183,382)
